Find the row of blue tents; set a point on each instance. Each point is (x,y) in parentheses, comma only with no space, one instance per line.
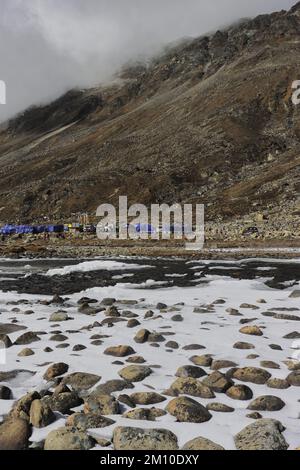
(30,229)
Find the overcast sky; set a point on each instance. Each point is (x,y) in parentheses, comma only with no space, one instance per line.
(50,46)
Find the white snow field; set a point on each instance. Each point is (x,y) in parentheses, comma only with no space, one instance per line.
(216,331)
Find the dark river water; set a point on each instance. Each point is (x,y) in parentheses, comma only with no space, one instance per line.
(29,276)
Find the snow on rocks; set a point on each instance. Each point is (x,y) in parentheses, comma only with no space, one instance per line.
(98,374)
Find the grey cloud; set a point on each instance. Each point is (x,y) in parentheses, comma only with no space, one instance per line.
(49,46)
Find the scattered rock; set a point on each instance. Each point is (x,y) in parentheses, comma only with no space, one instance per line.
(219,407)
(172,345)
(78,347)
(204,360)
(156,338)
(83,422)
(222,364)
(40,414)
(58,338)
(132,323)
(292,335)
(193,387)
(5,393)
(27,338)
(161,306)
(59,317)
(144,414)
(142,336)
(112,311)
(266,403)
(113,386)
(254,415)
(106,302)
(269,365)
(251,330)
(190,371)
(136,360)
(26,352)
(264,434)
(275,347)
(243,345)
(177,318)
(14,434)
(5,341)
(292,365)
(147,398)
(294,378)
(295,294)
(127,438)
(80,381)
(135,373)
(63,402)
(240,392)
(21,408)
(55,370)
(249,306)
(123,398)
(68,439)
(101,404)
(119,351)
(201,443)
(217,382)
(280,384)
(193,347)
(187,410)
(252,374)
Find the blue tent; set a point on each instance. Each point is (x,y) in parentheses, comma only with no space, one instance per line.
(144,228)
(8,230)
(39,229)
(24,229)
(55,228)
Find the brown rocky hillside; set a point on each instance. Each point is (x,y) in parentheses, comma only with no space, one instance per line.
(211,120)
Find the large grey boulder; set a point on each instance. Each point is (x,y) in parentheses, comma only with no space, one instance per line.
(264,434)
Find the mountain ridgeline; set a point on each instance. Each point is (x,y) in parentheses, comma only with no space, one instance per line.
(211,120)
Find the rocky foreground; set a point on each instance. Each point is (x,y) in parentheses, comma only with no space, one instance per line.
(210,373)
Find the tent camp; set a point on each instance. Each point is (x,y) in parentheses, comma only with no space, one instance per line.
(144,228)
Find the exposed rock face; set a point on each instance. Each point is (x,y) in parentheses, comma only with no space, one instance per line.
(200,85)
(264,434)
(126,438)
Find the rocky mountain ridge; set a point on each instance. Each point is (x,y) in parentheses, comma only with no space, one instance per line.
(210,120)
